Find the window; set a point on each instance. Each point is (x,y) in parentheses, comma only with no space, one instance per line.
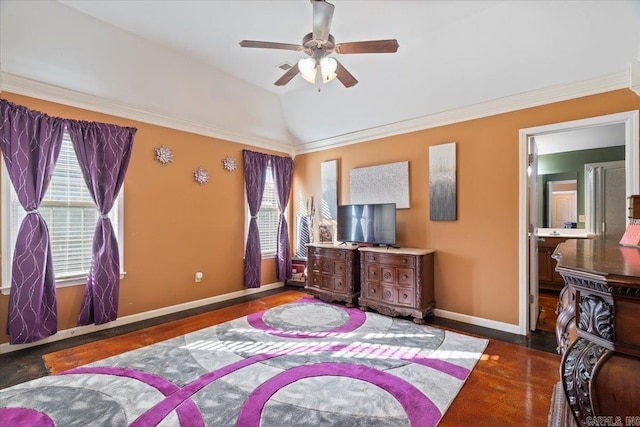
(268,216)
(71,217)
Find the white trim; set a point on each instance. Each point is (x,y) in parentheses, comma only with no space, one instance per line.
(634,77)
(83,330)
(507,104)
(478,321)
(523,234)
(631,121)
(27,87)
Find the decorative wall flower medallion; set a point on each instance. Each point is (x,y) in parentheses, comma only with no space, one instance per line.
(200,176)
(229,163)
(164,154)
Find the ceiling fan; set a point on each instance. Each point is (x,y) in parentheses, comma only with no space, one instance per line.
(319,44)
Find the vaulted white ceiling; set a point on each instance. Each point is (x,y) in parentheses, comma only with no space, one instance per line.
(178,63)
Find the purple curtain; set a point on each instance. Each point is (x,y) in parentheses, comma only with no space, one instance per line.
(30,142)
(282,168)
(103,153)
(255,175)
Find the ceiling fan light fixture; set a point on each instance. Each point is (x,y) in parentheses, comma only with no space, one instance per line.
(308,69)
(328,68)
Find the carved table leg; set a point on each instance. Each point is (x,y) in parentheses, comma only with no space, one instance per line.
(578,364)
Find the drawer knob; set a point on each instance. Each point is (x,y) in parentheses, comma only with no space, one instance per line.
(404,260)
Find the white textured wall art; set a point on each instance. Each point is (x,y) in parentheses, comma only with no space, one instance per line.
(442,182)
(329,176)
(388,183)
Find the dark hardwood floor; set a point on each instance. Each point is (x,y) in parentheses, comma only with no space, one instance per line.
(548,302)
(510,385)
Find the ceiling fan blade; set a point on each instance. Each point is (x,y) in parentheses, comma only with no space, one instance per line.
(270,45)
(345,77)
(286,77)
(371,46)
(322,16)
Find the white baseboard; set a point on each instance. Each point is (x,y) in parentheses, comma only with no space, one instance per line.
(82,330)
(478,321)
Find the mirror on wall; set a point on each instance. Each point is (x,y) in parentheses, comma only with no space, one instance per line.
(561,200)
(562,204)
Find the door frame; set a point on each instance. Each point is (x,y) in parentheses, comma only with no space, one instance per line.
(632,179)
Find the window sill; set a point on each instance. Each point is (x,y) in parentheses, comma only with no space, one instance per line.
(61,283)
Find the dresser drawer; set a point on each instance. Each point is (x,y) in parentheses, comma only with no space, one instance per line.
(388,294)
(405,296)
(339,285)
(372,291)
(326,282)
(406,276)
(390,259)
(339,268)
(387,274)
(372,272)
(314,264)
(326,266)
(330,253)
(313,281)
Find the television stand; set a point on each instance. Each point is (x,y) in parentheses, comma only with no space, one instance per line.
(397,282)
(333,272)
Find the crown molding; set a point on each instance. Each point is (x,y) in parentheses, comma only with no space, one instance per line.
(47,92)
(620,80)
(548,95)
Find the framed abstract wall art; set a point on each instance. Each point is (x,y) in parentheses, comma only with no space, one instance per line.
(442,182)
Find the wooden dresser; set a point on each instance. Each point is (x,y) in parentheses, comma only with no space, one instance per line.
(598,333)
(397,282)
(333,272)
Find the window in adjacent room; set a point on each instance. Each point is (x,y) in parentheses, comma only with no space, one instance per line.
(71,217)
(268,216)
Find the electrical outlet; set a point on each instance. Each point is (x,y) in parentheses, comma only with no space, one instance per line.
(580,218)
(198,276)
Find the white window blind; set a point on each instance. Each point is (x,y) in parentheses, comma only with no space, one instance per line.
(71,217)
(268,216)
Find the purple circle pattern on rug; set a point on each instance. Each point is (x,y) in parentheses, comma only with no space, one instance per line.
(420,410)
(18,417)
(356,319)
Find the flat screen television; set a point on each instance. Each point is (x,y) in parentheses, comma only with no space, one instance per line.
(367,223)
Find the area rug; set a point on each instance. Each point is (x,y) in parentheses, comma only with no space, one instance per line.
(306,363)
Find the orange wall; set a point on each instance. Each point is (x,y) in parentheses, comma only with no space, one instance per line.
(173,226)
(476,269)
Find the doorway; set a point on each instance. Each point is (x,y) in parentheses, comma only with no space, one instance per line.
(528,223)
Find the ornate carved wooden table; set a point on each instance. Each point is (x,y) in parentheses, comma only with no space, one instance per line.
(598,332)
